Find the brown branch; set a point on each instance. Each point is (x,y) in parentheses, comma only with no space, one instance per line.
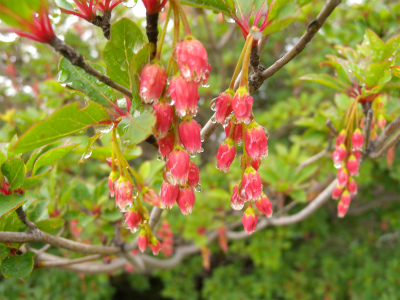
(152,32)
(78,60)
(67,262)
(378,145)
(379,152)
(311,160)
(332,128)
(367,131)
(104,22)
(24,219)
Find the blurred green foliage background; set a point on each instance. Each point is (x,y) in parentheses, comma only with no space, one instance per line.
(322,257)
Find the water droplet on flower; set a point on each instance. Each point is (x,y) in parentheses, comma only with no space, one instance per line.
(105,129)
(237,206)
(197,188)
(337,165)
(125,225)
(217,166)
(135,193)
(159,157)
(133,229)
(193,154)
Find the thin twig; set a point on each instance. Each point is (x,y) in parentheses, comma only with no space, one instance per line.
(24,219)
(378,153)
(378,143)
(67,262)
(332,128)
(311,160)
(367,131)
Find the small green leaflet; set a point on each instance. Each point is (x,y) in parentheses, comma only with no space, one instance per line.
(18,266)
(14,170)
(10,202)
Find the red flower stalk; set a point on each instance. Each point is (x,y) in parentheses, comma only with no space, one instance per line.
(241,105)
(192,60)
(223,106)
(256,141)
(133,218)
(189,133)
(185,95)
(194,174)
(37,27)
(169,194)
(357,139)
(225,155)
(143,240)
(250,187)
(153,79)
(186,200)
(236,202)
(111,179)
(237,131)
(165,117)
(154,6)
(178,165)
(339,154)
(249,220)
(108,5)
(166,145)
(264,205)
(123,193)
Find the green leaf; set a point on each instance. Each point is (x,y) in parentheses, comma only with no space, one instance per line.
(18,266)
(374,72)
(4,252)
(137,63)
(243,9)
(77,79)
(10,202)
(64,4)
(35,154)
(88,148)
(126,40)
(224,6)
(298,195)
(66,121)
(341,72)
(2,159)
(325,80)
(30,181)
(14,170)
(36,209)
(342,101)
(50,224)
(372,46)
(137,126)
(51,156)
(280,16)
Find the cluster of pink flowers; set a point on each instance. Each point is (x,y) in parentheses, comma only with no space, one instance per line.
(144,241)
(241,128)
(178,134)
(347,159)
(167,237)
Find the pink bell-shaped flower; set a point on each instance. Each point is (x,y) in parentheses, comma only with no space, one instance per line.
(155,245)
(357,139)
(256,141)
(352,186)
(166,145)
(340,139)
(241,105)
(186,199)
(192,60)
(342,176)
(111,179)
(249,220)
(169,194)
(151,197)
(194,174)
(223,105)
(165,117)
(153,79)
(143,240)
(337,192)
(225,155)
(342,209)
(185,95)
(133,218)
(189,133)
(352,165)
(237,134)
(123,193)
(250,187)
(339,154)
(178,165)
(236,202)
(264,205)
(345,198)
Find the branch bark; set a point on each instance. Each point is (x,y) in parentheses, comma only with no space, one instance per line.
(378,147)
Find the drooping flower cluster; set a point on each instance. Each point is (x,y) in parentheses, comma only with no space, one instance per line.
(241,128)
(178,134)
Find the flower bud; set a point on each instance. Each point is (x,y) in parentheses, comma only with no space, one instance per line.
(192,60)
(169,194)
(189,133)
(194,175)
(256,141)
(111,179)
(165,117)
(264,205)
(143,240)
(226,154)
(381,122)
(342,209)
(237,131)
(339,154)
(151,197)
(236,202)
(178,165)
(249,220)
(223,106)
(357,139)
(241,105)
(185,95)
(337,192)
(155,245)
(345,198)
(133,218)
(352,186)
(352,165)
(166,145)
(340,139)
(357,154)
(342,176)
(186,200)
(250,187)
(123,193)
(153,78)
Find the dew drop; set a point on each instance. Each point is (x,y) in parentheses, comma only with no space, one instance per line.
(87,154)
(237,206)
(159,157)
(213,120)
(212,104)
(197,188)
(105,129)
(135,193)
